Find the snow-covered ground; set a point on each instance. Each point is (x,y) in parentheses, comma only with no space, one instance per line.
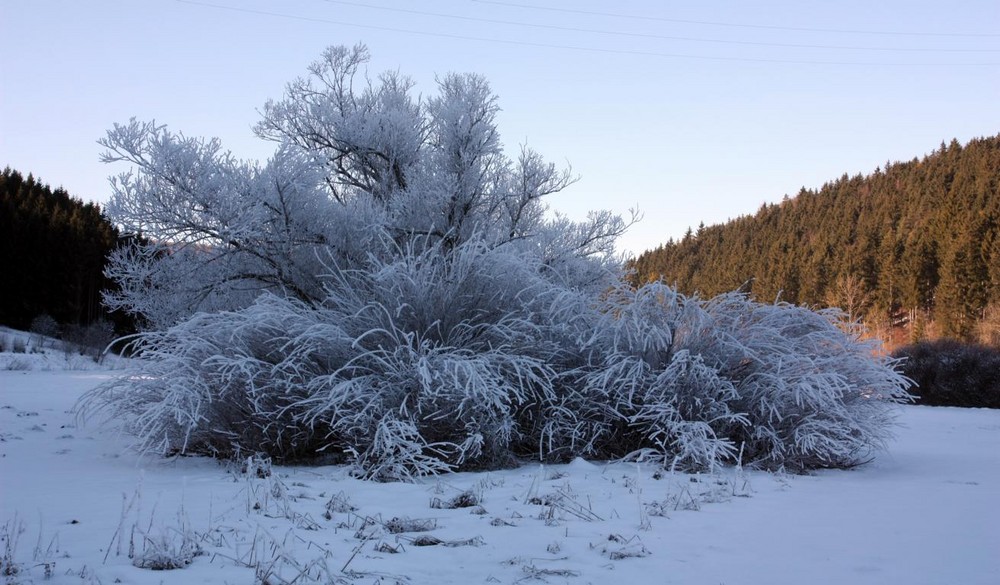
(924,513)
(23,351)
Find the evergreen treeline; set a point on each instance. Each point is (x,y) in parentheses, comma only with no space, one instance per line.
(53,248)
(915,244)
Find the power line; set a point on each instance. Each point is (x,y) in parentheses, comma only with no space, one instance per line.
(736,24)
(574,47)
(651,36)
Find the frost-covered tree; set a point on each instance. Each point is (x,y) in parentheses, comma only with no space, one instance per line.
(389,288)
(362,168)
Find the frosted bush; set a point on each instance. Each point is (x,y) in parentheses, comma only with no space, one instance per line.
(694,385)
(810,391)
(389,289)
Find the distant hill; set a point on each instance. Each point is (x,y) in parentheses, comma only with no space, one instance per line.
(52,255)
(913,246)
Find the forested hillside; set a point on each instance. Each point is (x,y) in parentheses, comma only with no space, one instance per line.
(911,247)
(53,250)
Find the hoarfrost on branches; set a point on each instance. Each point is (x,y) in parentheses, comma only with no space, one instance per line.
(389,289)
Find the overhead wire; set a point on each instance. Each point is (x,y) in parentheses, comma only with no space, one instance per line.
(590,49)
(734,24)
(650,35)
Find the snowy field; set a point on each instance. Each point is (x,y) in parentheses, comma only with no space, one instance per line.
(23,351)
(924,513)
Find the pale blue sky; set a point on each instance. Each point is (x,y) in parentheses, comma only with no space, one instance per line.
(692,111)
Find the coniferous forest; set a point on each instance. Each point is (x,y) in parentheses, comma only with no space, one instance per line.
(53,249)
(912,249)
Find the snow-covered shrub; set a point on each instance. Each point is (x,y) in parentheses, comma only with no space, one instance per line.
(810,392)
(169,550)
(226,383)
(697,383)
(44,326)
(389,286)
(415,366)
(471,381)
(13,344)
(90,340)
